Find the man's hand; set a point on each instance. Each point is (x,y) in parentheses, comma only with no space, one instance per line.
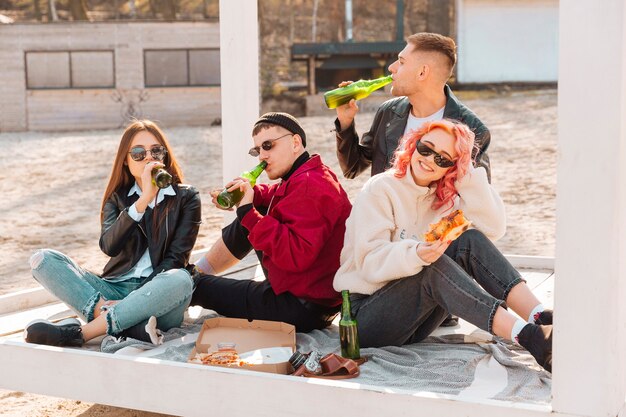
(214,194)
(348,111)
(431,251)
(244,185)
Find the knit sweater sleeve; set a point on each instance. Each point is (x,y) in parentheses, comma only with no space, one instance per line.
(375,256)
(482,204)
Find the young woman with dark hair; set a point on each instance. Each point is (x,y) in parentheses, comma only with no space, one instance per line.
(147,232)
(403,287)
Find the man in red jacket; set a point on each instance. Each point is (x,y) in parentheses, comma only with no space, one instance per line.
(296,227)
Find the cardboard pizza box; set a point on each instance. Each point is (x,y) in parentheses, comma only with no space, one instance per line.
(256,337)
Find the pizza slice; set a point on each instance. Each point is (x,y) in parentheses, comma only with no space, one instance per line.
(449,227)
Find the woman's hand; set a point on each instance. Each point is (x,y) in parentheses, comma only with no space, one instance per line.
(431,251)
(148,188)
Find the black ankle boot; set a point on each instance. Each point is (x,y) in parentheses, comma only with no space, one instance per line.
(64,333)
(537,340)
(544,318)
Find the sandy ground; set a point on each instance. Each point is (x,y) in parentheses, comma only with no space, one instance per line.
(51,185)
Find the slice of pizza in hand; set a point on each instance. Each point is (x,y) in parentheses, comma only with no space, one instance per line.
(448,228)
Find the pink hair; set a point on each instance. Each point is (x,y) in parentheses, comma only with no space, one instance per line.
(464,142)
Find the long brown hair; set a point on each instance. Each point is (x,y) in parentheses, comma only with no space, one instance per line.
(120,177)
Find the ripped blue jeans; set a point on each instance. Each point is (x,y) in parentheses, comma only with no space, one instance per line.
(166,295)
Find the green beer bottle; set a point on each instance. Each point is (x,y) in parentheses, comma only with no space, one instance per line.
(227,199)
(161,178)
(357,90)
(348,336)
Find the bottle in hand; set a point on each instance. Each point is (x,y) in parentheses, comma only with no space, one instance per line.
(357,90)
(348,336)
(161,178)
(227,199)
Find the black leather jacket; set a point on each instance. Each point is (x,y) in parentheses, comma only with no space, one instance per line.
(125,240)
(377,146)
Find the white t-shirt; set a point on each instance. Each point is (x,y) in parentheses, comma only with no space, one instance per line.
(414,123)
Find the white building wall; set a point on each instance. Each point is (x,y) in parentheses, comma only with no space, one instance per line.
(72,109)
(507,41)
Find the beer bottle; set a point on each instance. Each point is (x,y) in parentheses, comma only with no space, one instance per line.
(161,178)
(348,336)
(357,90)
(227,199)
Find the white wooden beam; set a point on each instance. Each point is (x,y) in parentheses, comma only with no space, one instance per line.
(196,390)
(239,65)
(589,353)
(25,299)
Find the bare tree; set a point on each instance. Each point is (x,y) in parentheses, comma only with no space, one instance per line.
(78,8)
(133,8)
(52,11)
(167,8)
(314,23)
(37,10)
(205,9)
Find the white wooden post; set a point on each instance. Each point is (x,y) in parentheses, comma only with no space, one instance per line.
(239,65)
(590,295)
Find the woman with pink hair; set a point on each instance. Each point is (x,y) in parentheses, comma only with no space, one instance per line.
(403,287)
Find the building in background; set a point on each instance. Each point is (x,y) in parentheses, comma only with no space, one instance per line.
(507,41)
(77,76)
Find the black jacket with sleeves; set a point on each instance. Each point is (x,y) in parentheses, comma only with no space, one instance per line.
(376,147)
(125,240)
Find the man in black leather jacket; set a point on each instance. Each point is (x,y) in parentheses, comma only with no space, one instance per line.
(419,81)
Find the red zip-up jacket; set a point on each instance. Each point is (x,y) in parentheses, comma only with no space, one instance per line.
(302,234)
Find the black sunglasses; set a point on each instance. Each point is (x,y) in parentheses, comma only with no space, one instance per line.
(139,153)
(440,160)
(267,145)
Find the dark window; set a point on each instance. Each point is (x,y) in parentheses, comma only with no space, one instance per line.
(182,67)
(70,69)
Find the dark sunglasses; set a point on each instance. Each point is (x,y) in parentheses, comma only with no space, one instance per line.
(440,160)
(267,145)
(139,153)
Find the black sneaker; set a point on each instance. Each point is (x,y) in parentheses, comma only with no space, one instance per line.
(544,318)
(146,331)
(64,333)
(537,340)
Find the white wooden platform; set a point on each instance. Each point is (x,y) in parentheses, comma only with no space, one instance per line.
(194,390)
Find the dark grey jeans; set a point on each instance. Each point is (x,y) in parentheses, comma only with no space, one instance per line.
(470,280)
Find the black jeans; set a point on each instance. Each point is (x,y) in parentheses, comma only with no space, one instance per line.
(256,300)
(471,280)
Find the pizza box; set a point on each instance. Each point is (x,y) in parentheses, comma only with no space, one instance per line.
(270,342)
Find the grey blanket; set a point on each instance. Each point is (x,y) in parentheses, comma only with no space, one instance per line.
(445,365)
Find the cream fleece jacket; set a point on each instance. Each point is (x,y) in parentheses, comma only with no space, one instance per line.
(391,215)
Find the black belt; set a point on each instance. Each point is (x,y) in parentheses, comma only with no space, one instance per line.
(325,313)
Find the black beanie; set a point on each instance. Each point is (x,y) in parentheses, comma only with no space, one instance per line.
(283,120)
